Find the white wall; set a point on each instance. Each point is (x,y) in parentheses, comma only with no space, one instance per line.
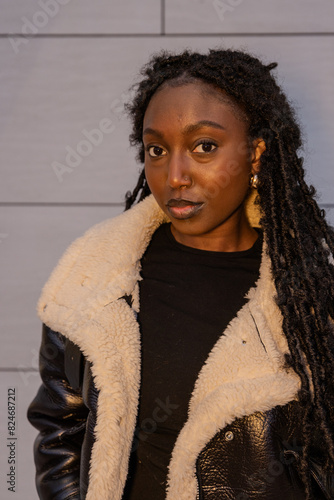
(71,72)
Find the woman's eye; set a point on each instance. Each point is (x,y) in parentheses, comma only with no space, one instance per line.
(155,151)
(205,147)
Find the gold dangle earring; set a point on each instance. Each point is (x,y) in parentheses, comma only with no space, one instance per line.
(254,181)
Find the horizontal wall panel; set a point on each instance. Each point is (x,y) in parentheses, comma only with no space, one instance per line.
(23,387)
(80,16)
(330,214)
(249,16)
(32,239)
(56,143)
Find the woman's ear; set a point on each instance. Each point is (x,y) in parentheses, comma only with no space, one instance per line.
(259,146)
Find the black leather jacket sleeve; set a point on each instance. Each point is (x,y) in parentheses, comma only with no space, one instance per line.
(59,414)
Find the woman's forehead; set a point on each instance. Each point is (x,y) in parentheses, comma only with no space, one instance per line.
(201,96)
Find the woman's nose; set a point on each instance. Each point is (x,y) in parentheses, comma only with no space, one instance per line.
(178,172)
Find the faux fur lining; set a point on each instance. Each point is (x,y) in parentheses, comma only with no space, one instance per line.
(81,300)
(243,373)
(102,265)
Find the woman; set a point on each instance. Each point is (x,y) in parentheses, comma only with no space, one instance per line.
(188,343)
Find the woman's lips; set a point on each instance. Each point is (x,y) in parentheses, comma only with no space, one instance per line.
(183,209)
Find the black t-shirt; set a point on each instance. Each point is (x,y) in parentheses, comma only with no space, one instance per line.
(187,298)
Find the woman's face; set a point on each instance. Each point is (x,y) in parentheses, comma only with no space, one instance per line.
(198,165)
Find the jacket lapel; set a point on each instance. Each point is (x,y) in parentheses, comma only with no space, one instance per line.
(81,301)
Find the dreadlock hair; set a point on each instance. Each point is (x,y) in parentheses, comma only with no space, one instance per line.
(300,243)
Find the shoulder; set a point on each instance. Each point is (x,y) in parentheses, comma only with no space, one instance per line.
(102,263)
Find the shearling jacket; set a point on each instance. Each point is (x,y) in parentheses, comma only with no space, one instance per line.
(241,440)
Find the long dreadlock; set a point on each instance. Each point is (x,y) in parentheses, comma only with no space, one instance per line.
(299,241)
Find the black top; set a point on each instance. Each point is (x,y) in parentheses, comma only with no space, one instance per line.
(187,298)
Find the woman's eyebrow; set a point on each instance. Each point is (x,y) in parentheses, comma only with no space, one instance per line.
(202,123)
(188,129)
(151,131)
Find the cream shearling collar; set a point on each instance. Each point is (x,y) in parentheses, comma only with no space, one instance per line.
(243,373)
